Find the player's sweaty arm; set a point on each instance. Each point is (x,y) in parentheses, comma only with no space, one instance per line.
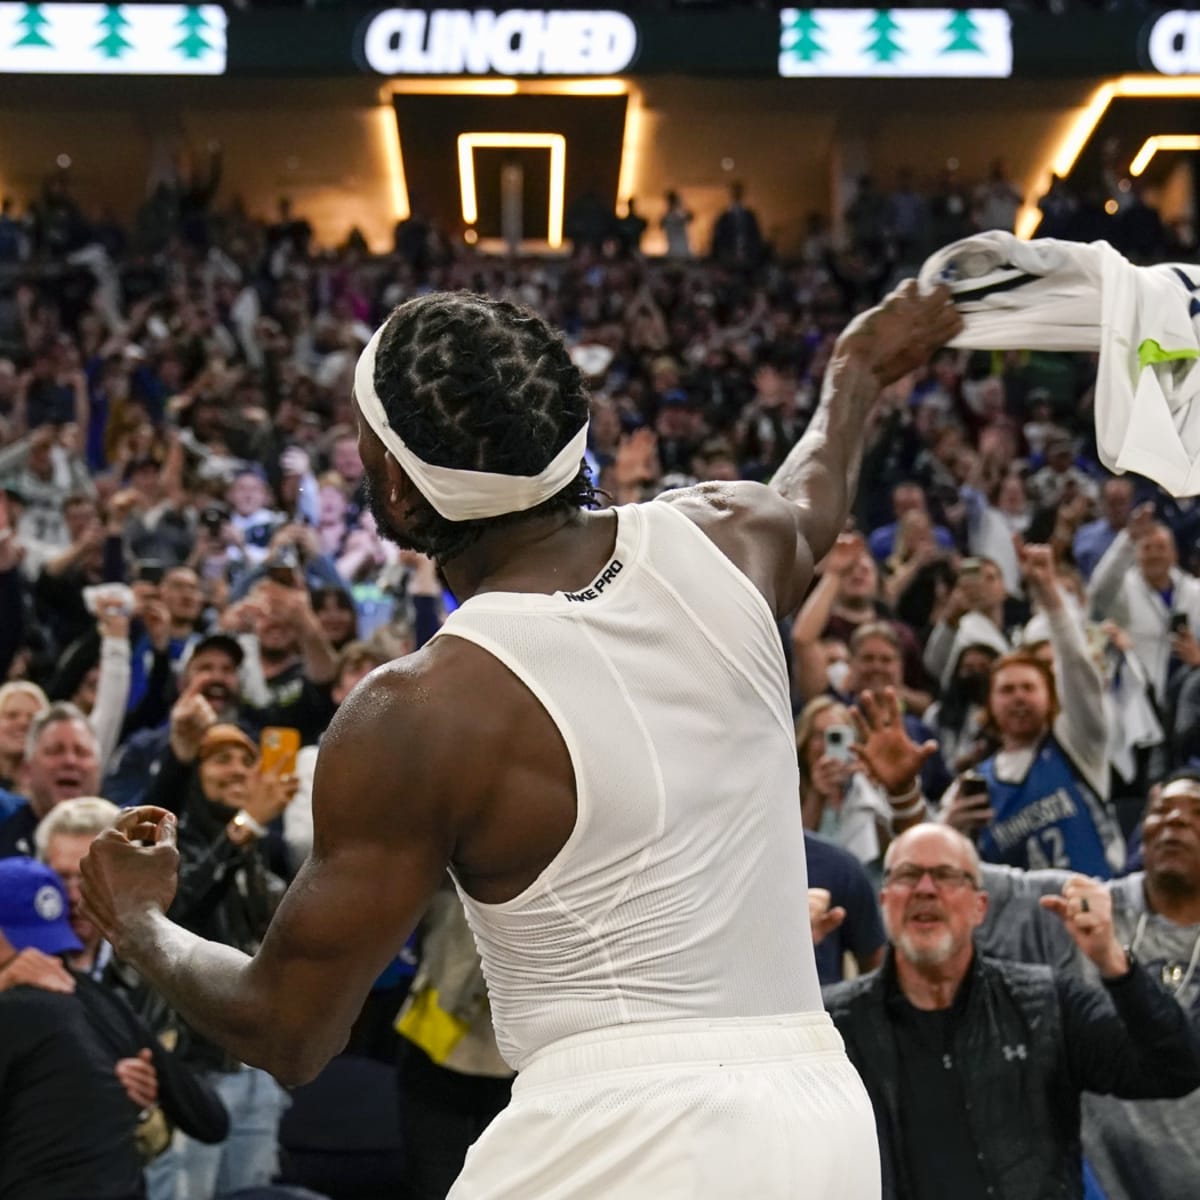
(383,838)
(775,534)
(820,474)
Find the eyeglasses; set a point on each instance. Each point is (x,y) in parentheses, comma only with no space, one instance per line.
(945,879)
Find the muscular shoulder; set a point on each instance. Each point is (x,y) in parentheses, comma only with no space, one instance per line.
(757,530)
(417,740)
(716,506)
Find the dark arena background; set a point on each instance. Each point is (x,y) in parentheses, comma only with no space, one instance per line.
(208,211)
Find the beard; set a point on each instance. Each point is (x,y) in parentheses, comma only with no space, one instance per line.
(373,491)
(927,953)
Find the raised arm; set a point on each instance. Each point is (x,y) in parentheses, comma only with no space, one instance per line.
(774,534)
(1137,1044)
(809,660)
(820,475)
(384,834)
(1081,726)
(1104,590)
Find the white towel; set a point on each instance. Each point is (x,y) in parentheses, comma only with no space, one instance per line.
(1054,295)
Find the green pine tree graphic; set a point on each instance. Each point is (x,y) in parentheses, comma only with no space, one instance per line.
(804,31)
(963,34)
(194,26)
(114,22)
(33,22)
(884,47)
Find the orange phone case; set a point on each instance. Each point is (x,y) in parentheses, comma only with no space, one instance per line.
(279,748)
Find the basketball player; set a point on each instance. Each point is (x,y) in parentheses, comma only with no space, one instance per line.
(599,746)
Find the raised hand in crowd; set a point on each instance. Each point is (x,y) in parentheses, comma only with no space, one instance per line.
(113,616)
(967,806)
(1141,521)
(268,793)
(1085,909)
(121,506)
(303,537)
(191,716)
(823,919)
(846,551)
(362,549)
(1039,573)
(156,619)
(245,615)
(290,605)
(889,755)
(423,577)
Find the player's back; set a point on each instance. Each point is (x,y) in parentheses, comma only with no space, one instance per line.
(681,892)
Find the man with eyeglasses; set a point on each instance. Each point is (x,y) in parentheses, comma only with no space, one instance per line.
(975,1066)
(1138,1150)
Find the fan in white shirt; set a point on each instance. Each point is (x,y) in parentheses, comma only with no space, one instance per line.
(1138,585)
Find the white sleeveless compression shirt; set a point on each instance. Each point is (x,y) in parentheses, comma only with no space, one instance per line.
(682,890)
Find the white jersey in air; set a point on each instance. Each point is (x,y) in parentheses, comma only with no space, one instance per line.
(682,890)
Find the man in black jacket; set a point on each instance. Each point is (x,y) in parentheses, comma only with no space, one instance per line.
(975,1066)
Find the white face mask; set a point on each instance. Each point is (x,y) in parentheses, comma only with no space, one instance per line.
(837,673)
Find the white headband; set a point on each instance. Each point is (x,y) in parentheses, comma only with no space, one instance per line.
(457,494)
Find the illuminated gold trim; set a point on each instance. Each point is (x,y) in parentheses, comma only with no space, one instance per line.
(504,87)
(1162,141)
(449,87)
(389,135)
(631,148)
(1071,145)
(556,143)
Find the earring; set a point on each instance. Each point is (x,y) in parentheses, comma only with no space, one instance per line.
(395,495)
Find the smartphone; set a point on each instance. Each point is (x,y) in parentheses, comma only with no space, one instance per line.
(149,570)
(283,567)
(972,784)
(838,740)
(1179,622)
(278,746)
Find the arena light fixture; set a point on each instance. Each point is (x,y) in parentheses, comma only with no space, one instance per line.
(1161,141)
(389,139)
(504,87)
(631,147)
(450,87)
(1065,154)
(556,143)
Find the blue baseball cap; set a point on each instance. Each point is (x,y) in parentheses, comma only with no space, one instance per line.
(33,908)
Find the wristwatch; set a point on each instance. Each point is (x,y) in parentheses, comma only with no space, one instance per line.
(244,829)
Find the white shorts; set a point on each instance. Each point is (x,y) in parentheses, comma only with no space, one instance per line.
(761,1109)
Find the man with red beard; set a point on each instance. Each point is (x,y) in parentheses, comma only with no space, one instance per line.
(975,1066)
(62,763)
(1046,799)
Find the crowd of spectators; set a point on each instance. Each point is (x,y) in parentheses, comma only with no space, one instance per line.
(188,566)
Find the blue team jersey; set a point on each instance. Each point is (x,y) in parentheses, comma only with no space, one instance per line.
(1051,818)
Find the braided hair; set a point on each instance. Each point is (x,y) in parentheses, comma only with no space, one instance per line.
(479,384)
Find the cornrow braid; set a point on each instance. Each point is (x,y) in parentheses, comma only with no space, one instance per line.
(484,385)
